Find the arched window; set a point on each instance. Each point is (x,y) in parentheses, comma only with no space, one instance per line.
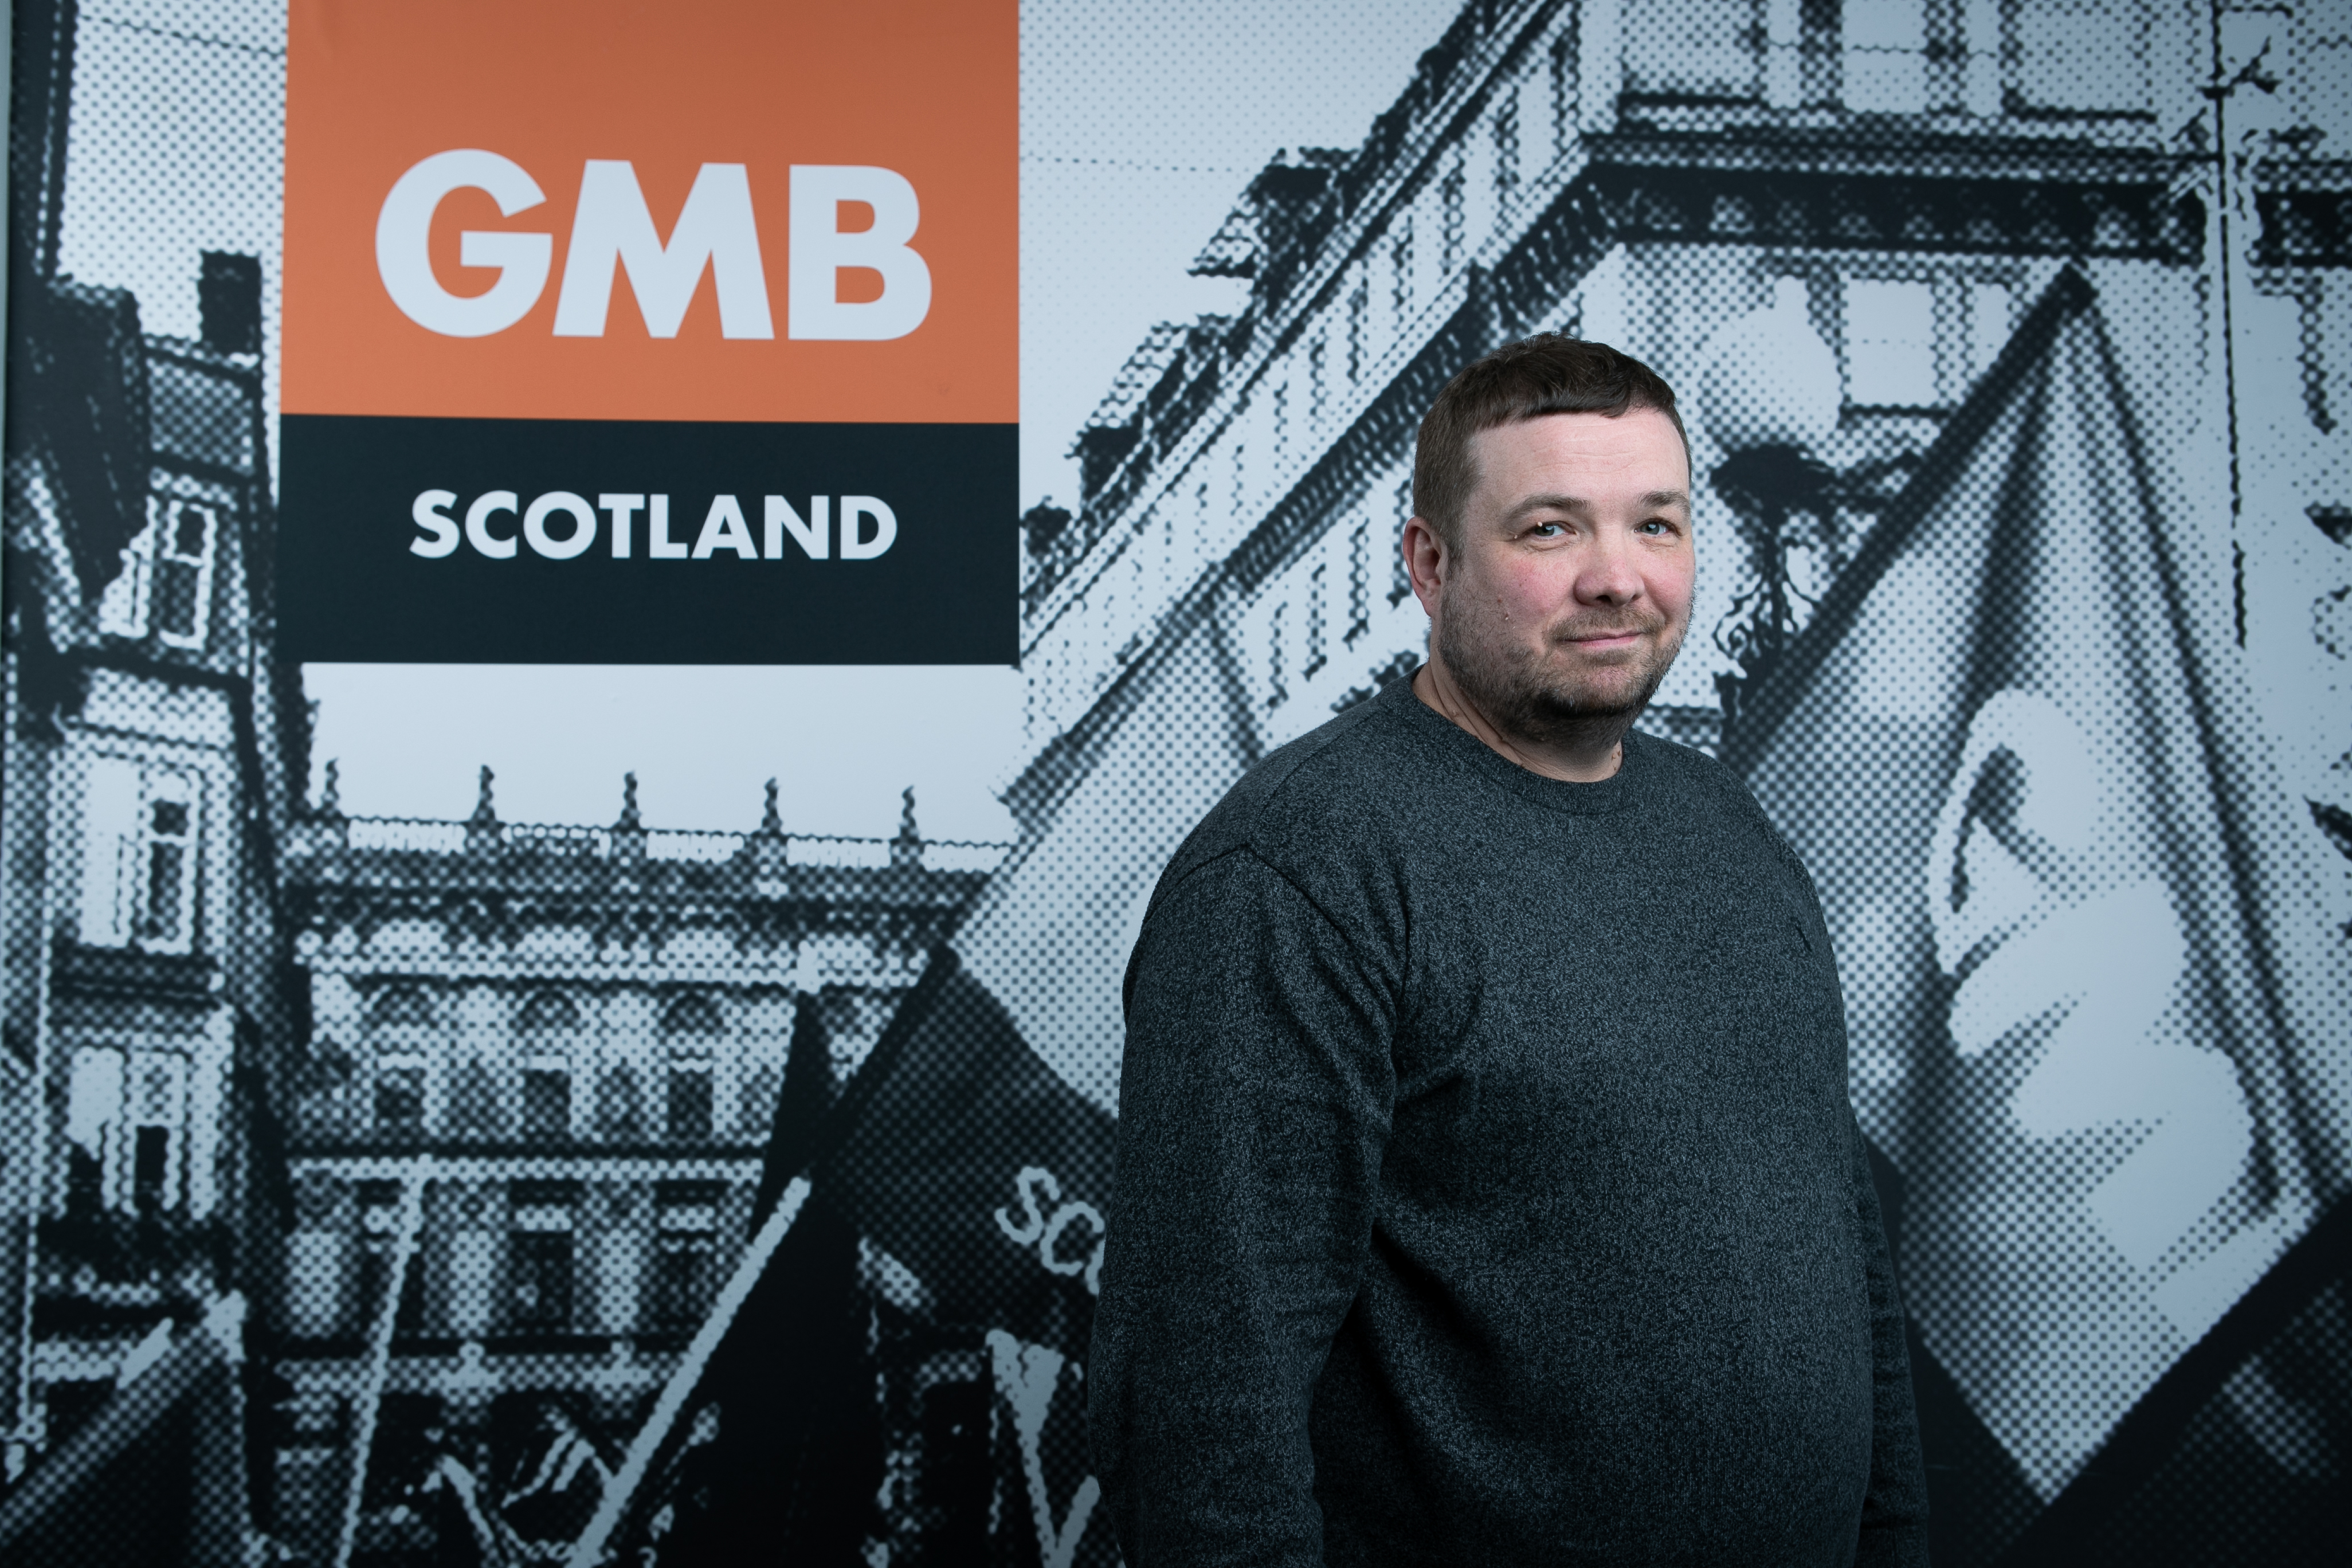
(400,1028)
(548,1013)
(691,1026)
(545,1028)
(401,1008)
(474,1108)
(690,1015)
(620,1106)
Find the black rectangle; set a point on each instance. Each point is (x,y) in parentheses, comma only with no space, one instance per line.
(356,582)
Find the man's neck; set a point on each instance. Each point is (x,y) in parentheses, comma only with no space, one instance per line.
(1587,753)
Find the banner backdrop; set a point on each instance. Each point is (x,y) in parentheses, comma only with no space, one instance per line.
(811,354)
(611,613)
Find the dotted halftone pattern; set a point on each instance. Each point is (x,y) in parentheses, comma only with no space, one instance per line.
(1942,293)
(137,517)
(1974,619)
(2095,1010)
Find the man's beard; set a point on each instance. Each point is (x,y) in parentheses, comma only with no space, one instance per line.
(1513,691)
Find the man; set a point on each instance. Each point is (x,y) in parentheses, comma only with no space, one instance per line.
(1487,1188)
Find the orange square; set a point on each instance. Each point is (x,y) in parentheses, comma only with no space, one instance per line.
(627,118)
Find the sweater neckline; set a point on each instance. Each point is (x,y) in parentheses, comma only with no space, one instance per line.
(1612,793)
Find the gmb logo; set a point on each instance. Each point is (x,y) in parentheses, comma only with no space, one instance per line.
(611,229)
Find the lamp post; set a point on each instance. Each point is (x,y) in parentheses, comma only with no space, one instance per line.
(1769,488)
(1769,393)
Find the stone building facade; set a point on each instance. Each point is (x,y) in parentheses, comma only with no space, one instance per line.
(143,766)
(1891,182)
(149,736)
(1823,224)
(548,1060)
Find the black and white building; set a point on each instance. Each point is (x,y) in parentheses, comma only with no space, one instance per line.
(541,1070)
(149,738)
(503,1090)
(1853,235)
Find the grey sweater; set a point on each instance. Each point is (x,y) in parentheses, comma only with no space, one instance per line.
(1487,1190)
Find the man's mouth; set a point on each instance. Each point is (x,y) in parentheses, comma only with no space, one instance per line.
(1600,641)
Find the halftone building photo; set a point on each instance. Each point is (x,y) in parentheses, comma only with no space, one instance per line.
(407,1185)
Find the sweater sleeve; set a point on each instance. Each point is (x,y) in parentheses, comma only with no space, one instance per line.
(1895,1508)
(1254,1107)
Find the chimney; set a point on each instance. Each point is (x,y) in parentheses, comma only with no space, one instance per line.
(228,301)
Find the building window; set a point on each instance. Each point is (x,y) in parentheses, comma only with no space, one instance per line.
(1316,616)
(1276,691)
(686,1257)
(688,1110)
(1563,91)
(138,856)
(1506,149)
(400,1097)
(158,1118)
(1359,307)
(167,575)
(1890,343)
(1696,50)
(2076,56)
(1988,308)
(550,1018)
(692,1028)
(93,1127)
(539,1260)
(169,824)
(400,1028)
(379,1212)
(547,1030)
(1400,271)
(1400,576)
(620,1105)
(546,1105)
(184,571)
(151,1166)
(1449,198)
(475,1108)
(1819,30)
(1886,47)
(1360,574)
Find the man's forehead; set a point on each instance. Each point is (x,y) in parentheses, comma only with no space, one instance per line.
(1586,455)
(1562,501)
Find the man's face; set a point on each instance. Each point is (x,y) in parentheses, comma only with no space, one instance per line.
(1568,592)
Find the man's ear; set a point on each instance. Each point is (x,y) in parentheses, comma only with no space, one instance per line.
(1426,560)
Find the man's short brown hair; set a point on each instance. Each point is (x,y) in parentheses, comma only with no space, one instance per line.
(1547,374)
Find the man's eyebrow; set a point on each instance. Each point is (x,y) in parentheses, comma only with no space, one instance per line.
(1558,502)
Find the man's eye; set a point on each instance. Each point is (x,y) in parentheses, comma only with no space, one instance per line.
(1548,530)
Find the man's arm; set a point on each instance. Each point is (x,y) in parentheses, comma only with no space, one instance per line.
(1894,1510)
(1254,1109)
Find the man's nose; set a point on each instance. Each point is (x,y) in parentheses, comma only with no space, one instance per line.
(1607,576)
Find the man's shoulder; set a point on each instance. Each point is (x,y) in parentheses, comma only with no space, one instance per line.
(1328,791)
(1697,782)
(1327,815)
(1685,770)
